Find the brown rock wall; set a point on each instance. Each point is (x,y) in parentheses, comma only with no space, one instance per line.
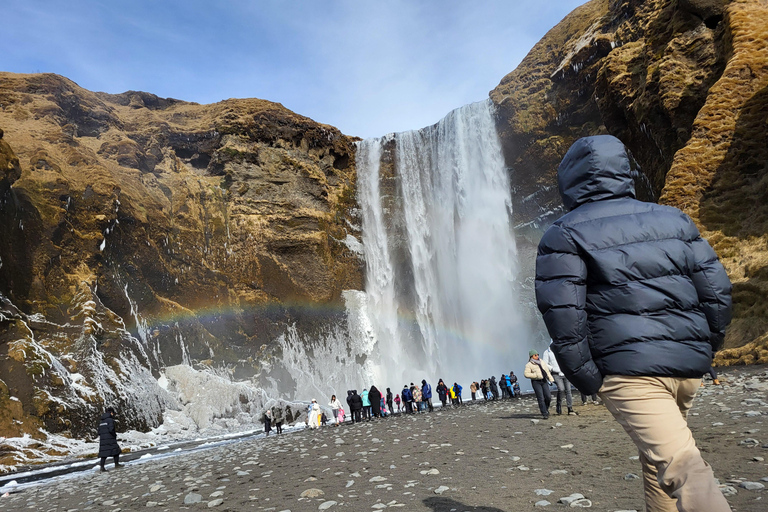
(682,83)
(214,224)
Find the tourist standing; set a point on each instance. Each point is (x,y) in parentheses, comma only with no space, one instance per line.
(473,390)
(455,394)
(397,401)
(416,397)
(267,422)
(426,394)
(314,414)
(389,401)
(277,414)
(538,371)
(494,388)
(442,392)
(108,446)
(366,405)
(407,399)
(636,302)
(355,406)
(335,406)
(512,378)
(563,386)
(374,396)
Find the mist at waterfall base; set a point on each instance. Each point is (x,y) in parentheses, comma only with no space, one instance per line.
(443,297)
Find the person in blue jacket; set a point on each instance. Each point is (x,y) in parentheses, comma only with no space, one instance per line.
(457,389)
(426,394)
(636,303)
(407,399)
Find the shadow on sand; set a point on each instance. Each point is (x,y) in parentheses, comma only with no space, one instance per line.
(525,416)
(447,505)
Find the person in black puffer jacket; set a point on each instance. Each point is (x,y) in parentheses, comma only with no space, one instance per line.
(108,446)
(635,301)
(355,402)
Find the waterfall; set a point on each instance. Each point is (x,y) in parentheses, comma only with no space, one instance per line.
(441,276)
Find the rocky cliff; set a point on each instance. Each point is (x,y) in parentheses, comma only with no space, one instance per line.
(684,83)
(139,232)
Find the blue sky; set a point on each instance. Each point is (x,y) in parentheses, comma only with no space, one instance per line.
(366,67)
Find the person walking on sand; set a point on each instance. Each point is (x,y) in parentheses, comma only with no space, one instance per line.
(108,446)
(390,398)
(267,422)
(335,405)
(563,386)
(636,302)
(314,414)
(538,371)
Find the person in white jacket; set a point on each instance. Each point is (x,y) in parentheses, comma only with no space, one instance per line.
(538,371)
(563,386)
(335,406)
(314,414)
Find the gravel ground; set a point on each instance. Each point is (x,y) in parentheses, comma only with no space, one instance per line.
(489,457)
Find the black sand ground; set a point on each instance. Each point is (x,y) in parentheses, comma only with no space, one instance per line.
(480,457)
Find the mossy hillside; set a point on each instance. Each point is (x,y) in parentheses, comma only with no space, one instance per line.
(721,177)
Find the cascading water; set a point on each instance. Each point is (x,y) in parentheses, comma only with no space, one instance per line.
(440,252)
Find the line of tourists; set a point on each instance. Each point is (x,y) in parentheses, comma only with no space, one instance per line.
(371,403)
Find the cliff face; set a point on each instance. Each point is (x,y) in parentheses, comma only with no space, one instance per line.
(138,232)
(685,85)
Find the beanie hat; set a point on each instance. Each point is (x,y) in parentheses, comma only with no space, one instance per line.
(532,353)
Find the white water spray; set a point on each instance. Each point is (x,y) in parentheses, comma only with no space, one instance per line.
(440,252)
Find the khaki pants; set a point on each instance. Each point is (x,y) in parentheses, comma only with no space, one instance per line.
(653,411)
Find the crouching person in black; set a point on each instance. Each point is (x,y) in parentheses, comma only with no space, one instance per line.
(108,446)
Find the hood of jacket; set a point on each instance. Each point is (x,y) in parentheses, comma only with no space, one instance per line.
(595,169)
(104,416)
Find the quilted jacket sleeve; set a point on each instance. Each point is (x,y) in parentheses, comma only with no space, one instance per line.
(714,290)
(561,296)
